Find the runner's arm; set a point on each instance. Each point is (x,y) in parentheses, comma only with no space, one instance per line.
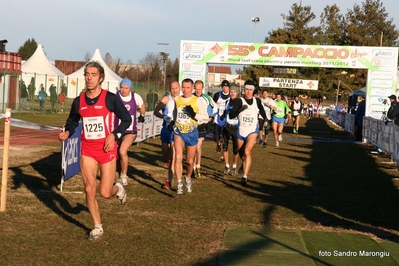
(260,107)
(237,104)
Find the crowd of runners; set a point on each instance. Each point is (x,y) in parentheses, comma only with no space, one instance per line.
(234,120)
(188,114)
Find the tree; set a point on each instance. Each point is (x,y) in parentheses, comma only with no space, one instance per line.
(174,70)
(368,25)
(87,57)
(331,29)
(28,49)
(296,27)
(108,59)
(151,68)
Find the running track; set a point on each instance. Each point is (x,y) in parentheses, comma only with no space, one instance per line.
(24,137)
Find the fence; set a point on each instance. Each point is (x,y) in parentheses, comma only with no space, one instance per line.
(384,135)
(151,92)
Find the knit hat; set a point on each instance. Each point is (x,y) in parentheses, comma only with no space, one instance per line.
(126,82)
(225,83)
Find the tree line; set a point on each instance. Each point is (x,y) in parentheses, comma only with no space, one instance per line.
(366,24)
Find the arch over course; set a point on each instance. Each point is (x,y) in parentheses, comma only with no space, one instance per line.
(381,62)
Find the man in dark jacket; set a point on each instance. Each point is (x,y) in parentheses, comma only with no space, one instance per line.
(393,111)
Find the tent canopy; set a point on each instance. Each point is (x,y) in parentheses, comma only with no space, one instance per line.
(38,63)
(109,74)
(76,80)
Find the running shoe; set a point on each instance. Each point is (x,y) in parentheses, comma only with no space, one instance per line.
(277,144)
(221,159)
(123,180)
(280,137)
(226,170)
(179,188)
(189,185)
(96,233)
(244,181)
(167,185)
(260,142)
(294,130)
(241,169)
(233,171)
(121,195)
(264,144)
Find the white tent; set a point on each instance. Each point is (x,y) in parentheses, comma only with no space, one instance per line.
(76,81)
(39,67)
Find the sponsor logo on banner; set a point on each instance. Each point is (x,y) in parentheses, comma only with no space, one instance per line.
(383,53)
(381,83)
(193,56)
(193,47)
(381,75)
(192,75)
(192,67)
(382,62)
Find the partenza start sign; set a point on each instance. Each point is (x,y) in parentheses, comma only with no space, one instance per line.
(302,84)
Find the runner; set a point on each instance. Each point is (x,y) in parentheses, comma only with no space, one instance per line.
(279,118)
(202,128)
(269,106)
(133,103)
(220,99)
(165,110)
(230,131)
(247,109)
(296,108)
(190,112)
(97,107)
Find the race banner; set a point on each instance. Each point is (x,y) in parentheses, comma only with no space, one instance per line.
(71,154)
(381,62)
(302,84)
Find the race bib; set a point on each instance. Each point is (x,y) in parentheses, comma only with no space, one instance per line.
(94,127)
(247,120)
(182,118)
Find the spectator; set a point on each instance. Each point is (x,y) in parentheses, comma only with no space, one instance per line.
(64,89)
(393,111)
(31,90)
(61,101)
(41,97)
(3,44)
(359,114)
(24,96)
(53,96)
(338,108)
(150,101)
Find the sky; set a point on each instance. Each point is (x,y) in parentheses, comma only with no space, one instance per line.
(129,29)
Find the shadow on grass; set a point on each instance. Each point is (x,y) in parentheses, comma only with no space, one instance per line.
(43,188)
(347,188)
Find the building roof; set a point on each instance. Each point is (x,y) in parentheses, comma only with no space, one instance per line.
(219,69)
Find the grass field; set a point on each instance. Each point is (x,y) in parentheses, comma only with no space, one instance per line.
(316,181)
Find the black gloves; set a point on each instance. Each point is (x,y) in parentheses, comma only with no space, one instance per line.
(223,116)
(140,119)
(190,111)
(242,108)
(171,124)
